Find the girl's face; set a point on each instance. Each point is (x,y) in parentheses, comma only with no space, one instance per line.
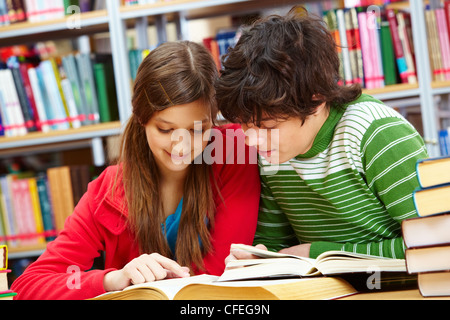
(170,135)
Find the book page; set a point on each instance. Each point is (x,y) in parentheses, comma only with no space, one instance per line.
(171,286)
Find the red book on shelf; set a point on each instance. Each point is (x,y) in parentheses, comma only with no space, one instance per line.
(398,49)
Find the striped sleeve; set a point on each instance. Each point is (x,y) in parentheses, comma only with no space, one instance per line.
(274,229)
(390,150)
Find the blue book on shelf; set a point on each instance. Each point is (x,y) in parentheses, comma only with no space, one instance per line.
(444,142)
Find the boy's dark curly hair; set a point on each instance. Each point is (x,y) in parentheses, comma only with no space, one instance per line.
(282,66)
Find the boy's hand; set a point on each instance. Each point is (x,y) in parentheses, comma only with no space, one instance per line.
(301,250)
(237,254)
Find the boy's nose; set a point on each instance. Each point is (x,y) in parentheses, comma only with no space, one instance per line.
(253,138)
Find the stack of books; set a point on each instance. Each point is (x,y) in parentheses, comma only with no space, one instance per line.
(5,293)
(427,237)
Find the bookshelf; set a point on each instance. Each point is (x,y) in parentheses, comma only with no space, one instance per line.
(116,19)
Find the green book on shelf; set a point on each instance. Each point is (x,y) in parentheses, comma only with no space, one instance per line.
(102,92)
(387,54)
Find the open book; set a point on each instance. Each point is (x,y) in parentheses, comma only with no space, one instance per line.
(206,287)
(274,264)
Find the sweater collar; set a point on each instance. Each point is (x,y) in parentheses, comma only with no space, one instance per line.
(325,134)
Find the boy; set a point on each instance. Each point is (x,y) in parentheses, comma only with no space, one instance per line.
(346,161)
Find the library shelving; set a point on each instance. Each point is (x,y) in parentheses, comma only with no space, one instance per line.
(116,19)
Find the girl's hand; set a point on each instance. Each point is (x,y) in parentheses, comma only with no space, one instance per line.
(145,268)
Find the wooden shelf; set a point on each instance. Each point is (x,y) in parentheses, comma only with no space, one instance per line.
(23,32)
(395,91)
(56,136)
(26,251)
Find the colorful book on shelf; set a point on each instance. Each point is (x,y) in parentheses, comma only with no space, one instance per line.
(24,101)
(331,20)
(387,54)
(341,24)
(46,207)
(26,228)
(398,47)
(4,19)
(434,46)
(106,89)
(56,108)
(16,10)
(3,257)
(442,30)
(370,80)
(66,95)
(7,295)
(206,287)
(60,188)
(407,47)
(85,70)
(12,117)
(4,286)
(353,17)
(8,212)
(71,69)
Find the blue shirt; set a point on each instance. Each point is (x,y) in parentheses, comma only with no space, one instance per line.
(170,226)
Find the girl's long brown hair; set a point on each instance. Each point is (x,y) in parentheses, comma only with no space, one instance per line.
(172,74)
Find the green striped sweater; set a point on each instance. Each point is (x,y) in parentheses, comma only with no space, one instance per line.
(350,191)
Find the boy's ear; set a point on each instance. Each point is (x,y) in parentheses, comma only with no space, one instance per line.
(320,108)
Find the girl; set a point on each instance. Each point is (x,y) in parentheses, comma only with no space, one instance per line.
(158,213)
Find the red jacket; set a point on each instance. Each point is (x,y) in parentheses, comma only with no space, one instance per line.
(98,224)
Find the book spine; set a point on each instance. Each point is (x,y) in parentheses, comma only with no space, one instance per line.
(345,50)
(12,103)
(398,49)
(406,45)
(444,41)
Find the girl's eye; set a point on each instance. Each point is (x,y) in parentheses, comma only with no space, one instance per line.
(164,131)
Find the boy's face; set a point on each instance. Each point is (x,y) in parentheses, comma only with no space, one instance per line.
(279,141)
